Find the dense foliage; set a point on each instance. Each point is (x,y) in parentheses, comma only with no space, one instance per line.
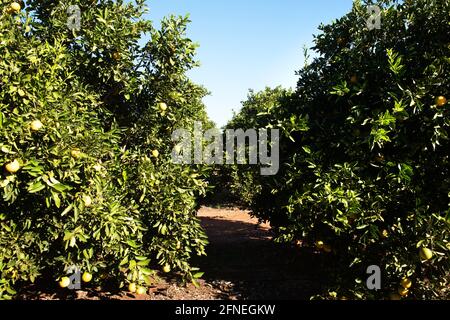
(365,152)
(86,118)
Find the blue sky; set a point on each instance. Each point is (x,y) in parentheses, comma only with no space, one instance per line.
(248,44)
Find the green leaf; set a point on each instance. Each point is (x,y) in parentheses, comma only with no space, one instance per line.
(36,187)
(141,258)
(306,149)
(146,271)
(10,290)
(67,235)
(67,210)
(124,261)
(132,243)
(144,263)
(61,187)
(56,199)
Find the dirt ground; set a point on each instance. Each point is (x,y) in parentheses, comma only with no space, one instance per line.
(242,263)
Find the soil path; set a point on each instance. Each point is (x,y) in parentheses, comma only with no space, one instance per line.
(243,262)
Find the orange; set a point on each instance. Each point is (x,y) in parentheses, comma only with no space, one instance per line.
(162,106)
(406,283)
(441,101)
(141,290)
(36,125)
(15,7)
(319,244)
(403,292)
(132,287)
(13,167)
(87,277)
(425,254)
(87,201)
(64,282)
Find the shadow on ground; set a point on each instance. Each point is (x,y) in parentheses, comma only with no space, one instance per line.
(243,263)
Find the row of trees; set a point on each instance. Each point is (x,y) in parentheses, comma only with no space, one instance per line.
(365,153)
(86,116)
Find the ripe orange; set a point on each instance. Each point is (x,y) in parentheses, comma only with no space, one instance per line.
(441,101)
(406,283)
(403,292)
(15,7)
(36,125)
(132,287)
(162,106)
(13,167)
(87,277)
(141,290)
(425,254)
(155,153)
(319,245)
(64,282)
(87,201)
(166,268)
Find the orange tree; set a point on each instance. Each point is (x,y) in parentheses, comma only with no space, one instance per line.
(260,110)
(364,160)
(86,116)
